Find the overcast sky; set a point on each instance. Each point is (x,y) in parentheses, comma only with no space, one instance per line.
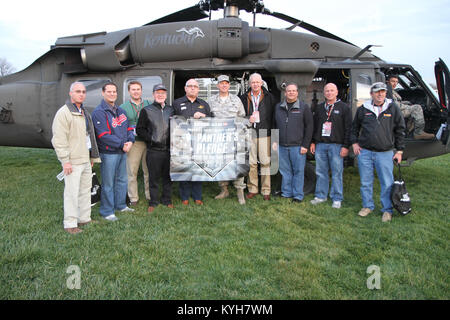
(415,32)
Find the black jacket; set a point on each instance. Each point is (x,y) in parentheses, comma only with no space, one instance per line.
(341,119)
(295,124)
(265,108)
(184,107)
(382,133)
(153,126)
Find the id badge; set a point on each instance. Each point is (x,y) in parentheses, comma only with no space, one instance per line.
(256,116)
(88,142)
(326,129)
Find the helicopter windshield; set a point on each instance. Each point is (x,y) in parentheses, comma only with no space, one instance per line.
(363,88)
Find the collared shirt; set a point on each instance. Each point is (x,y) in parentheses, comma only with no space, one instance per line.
(255,100)
(133,110)
(81,111)
(112,107)
(137,107)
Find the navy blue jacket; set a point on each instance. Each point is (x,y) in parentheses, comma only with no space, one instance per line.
(295,124)
(111,128)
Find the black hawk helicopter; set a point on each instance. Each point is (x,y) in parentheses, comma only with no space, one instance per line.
(189,44)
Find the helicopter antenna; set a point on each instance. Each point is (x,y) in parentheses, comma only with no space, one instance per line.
(359,54)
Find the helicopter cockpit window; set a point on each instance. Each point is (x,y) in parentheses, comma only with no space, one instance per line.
(147,87)
(363,88)
(208,87)
(403,82)
(93,92)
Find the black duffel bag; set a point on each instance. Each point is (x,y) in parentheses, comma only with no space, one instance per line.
(96,190)
(399,195)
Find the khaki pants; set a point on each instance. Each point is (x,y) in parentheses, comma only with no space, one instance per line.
(136,157)
(260,149)
(77,195)
(238,183)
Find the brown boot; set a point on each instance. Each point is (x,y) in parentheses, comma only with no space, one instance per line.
(223,194)
(73,230)
(424,136)
(240,195)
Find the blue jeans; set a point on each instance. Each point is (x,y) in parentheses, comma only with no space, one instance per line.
(383,164)
(292,169)
(188,188)
(114,183)
(328,157)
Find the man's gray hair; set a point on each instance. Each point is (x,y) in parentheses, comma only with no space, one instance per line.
(191,80)
(74,84)
(254,75)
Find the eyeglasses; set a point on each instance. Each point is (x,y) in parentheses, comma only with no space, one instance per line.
(80,91)
(191,86)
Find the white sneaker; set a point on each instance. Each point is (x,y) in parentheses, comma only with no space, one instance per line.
(317,200)
(336,205)
(127,209)
(111,217)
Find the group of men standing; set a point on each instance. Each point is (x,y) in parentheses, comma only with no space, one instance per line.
(137,134)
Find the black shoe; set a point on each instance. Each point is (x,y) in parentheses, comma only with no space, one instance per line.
(297,200)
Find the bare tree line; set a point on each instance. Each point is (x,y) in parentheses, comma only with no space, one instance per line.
(5,67)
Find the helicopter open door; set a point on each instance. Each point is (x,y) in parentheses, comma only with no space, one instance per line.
(443,86)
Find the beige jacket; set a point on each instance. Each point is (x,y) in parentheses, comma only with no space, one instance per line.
(69,136)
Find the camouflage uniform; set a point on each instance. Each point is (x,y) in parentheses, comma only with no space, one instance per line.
(231,106)
(411,110)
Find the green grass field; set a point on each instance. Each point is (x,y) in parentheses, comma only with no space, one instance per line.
(263,250)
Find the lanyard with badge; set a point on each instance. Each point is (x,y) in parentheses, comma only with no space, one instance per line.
(327,125)
(255,101)
(137,113)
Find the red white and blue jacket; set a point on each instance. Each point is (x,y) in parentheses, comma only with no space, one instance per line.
(111,128)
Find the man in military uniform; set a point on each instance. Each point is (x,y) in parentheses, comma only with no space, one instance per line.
(225,105)
(410,110)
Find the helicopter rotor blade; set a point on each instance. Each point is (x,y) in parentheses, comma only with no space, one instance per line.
(193,13)
(305,25)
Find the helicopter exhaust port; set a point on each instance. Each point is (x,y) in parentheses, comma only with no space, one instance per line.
(231,12)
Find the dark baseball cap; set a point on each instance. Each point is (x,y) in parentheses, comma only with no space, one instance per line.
(160,86)
(378,86)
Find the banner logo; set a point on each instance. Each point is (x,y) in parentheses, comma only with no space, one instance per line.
(209,149)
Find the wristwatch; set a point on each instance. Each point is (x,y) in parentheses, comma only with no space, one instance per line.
(400,151)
